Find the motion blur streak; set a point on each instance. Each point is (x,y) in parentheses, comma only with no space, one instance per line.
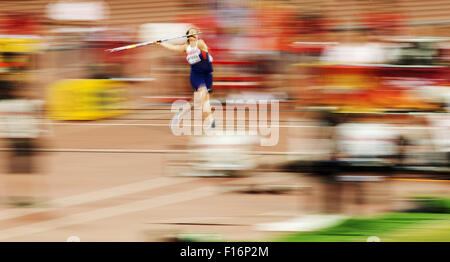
(322,117)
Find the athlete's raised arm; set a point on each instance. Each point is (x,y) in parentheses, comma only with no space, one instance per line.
(177,48)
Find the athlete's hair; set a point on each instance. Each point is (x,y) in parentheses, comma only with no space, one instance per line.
(187,33)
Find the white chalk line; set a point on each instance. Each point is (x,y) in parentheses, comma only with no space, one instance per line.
(97,195)
(168,125)
(163,151)
(217,126)
(108,212)
(117,210)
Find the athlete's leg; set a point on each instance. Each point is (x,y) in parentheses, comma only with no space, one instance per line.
(180,114)
(202,83)
(199,98)
(195,82)
(206,104)
(203,99)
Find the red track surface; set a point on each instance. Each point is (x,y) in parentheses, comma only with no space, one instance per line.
(150,203)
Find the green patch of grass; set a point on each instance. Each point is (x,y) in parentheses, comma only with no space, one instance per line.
(435,232)
(359,229)
(433,204)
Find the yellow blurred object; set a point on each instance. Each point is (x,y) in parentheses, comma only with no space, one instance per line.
(20,45)
(356,110)
(352,81)
(86,99)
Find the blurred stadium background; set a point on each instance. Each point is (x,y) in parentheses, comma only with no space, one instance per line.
(363,151)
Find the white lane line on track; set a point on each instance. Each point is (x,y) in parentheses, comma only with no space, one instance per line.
(162,151)
(166,125)
(98,195)
(224,126)
(108,212)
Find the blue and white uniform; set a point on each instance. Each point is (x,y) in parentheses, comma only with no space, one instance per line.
(201,67)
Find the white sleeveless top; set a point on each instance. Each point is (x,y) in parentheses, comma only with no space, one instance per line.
(193,54)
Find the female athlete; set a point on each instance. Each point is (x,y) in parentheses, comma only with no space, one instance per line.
(201,70)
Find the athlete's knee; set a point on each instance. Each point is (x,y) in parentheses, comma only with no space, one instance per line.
(198,97)
(202,92)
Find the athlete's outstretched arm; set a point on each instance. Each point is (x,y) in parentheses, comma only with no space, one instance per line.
(178,48)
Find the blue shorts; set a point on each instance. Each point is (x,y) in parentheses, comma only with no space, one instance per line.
(199,78)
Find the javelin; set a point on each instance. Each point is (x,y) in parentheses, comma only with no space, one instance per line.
(145,43)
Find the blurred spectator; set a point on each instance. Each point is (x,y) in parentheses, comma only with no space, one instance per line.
(328,167)
(19,126)
(6,88)
(440,125)
(357,48)
(367,146)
